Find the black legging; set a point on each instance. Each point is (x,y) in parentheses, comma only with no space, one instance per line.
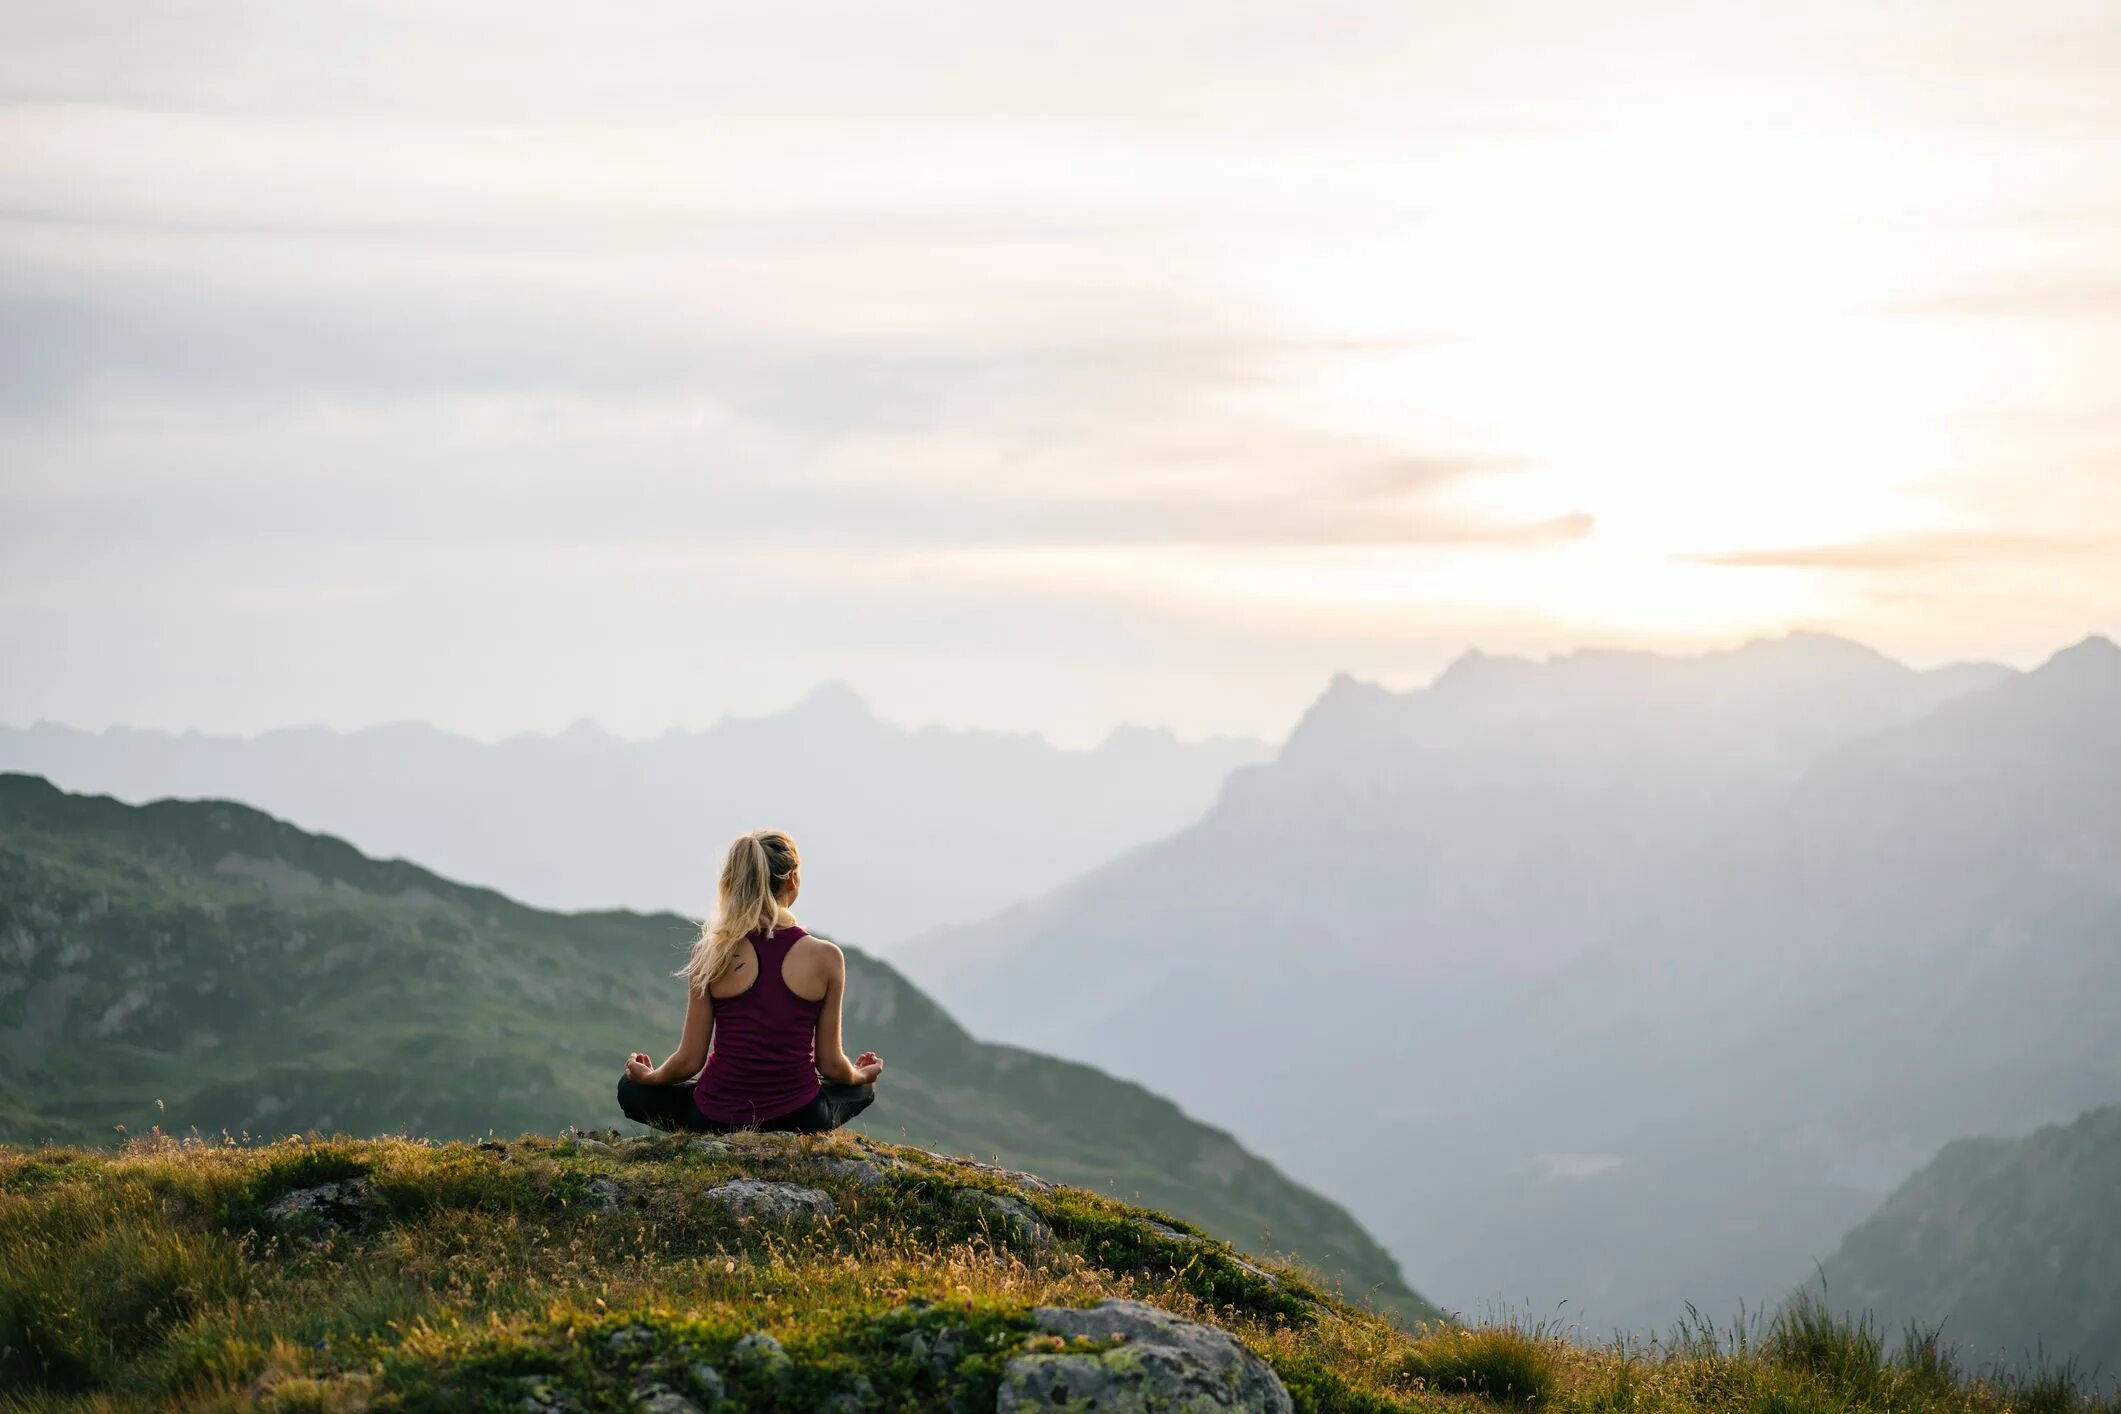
(670,1107)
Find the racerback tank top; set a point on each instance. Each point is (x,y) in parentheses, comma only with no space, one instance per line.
(764,1059)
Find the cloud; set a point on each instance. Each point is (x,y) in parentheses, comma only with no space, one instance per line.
(1922,551)
(2086,295)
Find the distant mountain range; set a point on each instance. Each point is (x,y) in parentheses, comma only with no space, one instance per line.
(908,829)
(1618,979)
(201,965)
(2011,1246)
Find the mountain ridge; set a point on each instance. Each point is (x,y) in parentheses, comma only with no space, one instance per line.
(1625,891)
(877,807)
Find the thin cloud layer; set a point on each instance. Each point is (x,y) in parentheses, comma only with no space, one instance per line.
(504,365)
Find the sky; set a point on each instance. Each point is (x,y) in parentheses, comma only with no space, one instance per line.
(1041,368)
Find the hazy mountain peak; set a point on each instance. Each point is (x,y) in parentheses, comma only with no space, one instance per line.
(832,700)
(1475,669)
(1813,648)
(1128,737)
(1802,651)
(633,821)
(2094,657)
(1348,696)
(2078,688)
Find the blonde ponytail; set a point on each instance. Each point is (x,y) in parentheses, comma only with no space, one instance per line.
(757,868)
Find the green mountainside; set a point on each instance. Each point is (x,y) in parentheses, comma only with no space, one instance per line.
(202,967)
(2009,1244)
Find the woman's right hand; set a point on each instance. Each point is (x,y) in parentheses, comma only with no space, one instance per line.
(868,1067)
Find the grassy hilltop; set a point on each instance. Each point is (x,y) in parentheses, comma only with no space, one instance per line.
(657,1274)
(202,966)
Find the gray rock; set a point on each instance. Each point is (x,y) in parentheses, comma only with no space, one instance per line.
(760,1351)
(326,1207)
(601,1194)
(1161,1363)
(1023,1227)
(941,1353)
(628,1340)
(658,1399)
(858,1396)
(711,1147)
(865,1172)
(1015,1178)
(1172,1234)
(709,1382)
(753,1198)
(541,1398)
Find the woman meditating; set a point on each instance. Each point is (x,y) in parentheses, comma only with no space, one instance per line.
(763,1016)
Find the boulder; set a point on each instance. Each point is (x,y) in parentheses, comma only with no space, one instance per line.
(323,1208)
(1015,1178)
(539,1397)
(940,1353)
(1159,1362)
(864,1171)
(760,1351)
(1017,1222)
(754,1198)
(860,1395)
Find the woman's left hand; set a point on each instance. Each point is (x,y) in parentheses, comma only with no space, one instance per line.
(639,1068)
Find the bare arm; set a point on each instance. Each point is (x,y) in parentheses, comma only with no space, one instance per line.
(832,1062)
(691,1054)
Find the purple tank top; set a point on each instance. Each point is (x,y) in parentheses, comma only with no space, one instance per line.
(764,1059)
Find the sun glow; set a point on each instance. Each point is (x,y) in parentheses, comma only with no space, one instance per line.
(1679,337)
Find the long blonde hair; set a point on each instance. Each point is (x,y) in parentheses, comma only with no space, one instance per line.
(758,867)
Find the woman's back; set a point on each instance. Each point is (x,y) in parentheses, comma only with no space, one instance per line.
(764,1058)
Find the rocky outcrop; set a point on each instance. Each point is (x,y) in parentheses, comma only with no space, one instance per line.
(1154,1361)
(1015,1178)
(324,1208)
(863,1171)
(780,1202)
(1007,1216)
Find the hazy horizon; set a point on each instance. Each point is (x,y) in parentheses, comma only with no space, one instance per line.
(833,686)
(505,366)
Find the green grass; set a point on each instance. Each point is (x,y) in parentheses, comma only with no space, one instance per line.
(544,1270)
(1500,1362)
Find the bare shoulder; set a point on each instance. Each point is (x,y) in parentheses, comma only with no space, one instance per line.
(823,950)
